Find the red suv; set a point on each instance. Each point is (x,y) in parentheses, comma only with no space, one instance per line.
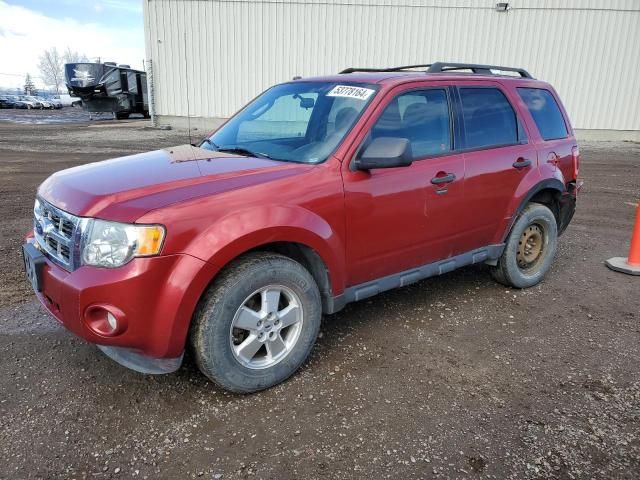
(320,192)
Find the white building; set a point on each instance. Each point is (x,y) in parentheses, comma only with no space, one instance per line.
(209,57)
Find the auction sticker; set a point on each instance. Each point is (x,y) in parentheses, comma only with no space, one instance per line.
(350,92)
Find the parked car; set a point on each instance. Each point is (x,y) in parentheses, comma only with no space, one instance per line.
(19,102)
(30,102)
(55,102)
(7,102)
(44,102)
(67,100)
(320,192)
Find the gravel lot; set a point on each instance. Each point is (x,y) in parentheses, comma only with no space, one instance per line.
(454,377)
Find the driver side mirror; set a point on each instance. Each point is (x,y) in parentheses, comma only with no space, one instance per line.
(385,152)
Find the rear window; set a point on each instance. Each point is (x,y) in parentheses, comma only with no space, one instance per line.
(545,112)
(489,119)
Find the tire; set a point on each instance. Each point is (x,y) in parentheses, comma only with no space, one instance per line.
(237,297)
(530,248)
(122,115)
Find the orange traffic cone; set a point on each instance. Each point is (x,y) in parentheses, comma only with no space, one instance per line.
(631,264)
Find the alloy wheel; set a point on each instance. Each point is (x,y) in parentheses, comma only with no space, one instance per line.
(266,327)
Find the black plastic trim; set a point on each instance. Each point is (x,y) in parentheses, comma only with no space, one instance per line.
(37,262)
(567,207)
(407,277)
(550,183)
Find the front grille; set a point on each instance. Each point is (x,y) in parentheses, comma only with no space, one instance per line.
(57,233)
(58,247)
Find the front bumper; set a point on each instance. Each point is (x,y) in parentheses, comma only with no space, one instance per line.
(152,299)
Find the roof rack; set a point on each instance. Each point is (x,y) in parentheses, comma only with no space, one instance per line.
(445,67)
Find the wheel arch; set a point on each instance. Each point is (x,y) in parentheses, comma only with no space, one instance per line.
(295,232)
(547,192)
(310,260)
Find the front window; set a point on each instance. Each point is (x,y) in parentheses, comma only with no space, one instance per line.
(298,122)
(420,116)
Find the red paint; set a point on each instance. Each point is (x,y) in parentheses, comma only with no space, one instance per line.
(364,225)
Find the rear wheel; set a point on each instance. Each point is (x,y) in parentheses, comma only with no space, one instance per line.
(530,248)
(257,323)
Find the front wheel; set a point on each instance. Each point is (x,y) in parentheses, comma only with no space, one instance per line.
(257,323)
(530,248)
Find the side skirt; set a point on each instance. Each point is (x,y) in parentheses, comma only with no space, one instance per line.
(407,277)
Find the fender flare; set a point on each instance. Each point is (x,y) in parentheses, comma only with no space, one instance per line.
(549,183)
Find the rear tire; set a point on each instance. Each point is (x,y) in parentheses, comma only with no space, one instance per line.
(530,248)
(257,323)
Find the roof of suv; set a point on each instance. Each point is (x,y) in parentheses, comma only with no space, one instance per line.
(434,71)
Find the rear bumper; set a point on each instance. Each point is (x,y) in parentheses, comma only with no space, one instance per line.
(567,205)
(152,300)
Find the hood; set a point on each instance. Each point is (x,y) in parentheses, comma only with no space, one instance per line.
(124,189)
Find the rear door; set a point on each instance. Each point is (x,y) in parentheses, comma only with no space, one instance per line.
(399,218)
(498,157)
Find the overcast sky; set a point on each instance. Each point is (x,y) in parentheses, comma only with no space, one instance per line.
(109,29)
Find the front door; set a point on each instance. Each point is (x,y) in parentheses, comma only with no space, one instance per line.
(403,217)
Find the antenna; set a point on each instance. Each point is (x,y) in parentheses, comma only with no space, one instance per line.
(186,78)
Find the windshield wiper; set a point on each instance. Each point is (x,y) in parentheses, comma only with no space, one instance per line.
(242,151)
(210,142)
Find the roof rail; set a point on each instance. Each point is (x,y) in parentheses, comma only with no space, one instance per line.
(391,69)
(445,67)
(442,67)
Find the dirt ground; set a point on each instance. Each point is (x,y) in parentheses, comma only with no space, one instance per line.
(454,377)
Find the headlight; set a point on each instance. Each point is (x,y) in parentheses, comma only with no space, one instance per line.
(112,244)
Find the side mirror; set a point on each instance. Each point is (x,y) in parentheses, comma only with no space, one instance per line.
(385,152)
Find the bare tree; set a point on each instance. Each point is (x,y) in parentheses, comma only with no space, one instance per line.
(71,56)
(29,87)
(50,67)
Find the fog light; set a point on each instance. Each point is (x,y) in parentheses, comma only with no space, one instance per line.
(105,320)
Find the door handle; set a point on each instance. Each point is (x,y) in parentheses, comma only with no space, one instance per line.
(439,180)
(522,163)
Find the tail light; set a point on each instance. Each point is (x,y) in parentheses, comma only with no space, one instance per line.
(575,157)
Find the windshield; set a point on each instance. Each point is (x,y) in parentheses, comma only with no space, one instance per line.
(297,122)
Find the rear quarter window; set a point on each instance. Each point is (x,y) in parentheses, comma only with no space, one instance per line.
(545,112)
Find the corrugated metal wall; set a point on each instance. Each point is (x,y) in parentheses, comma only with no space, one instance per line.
(212,56)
